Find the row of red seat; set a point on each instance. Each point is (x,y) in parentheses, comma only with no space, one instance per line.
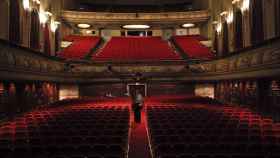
(193,129)
(80,47)
(192,47)
(79,130)
(136,48)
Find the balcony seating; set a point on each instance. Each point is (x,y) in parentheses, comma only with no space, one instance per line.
(136,49)
(81,46)
(192,47)
(67,132)
(211,131)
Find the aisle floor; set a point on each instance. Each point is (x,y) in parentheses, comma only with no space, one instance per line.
(139,142)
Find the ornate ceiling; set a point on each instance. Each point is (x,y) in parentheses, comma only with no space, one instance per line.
(116,20)
(115,13)
(135,2)
(105,5)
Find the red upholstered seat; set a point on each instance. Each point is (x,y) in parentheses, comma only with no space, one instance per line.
(80,47)
(193,48)
(67,132)
(135,49)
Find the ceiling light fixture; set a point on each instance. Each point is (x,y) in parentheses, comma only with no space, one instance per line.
(188,25)
(136,26)
(83,26)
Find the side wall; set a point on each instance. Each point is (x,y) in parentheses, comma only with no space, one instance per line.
(269,12)
(120,89)
(259,94)
(18,97)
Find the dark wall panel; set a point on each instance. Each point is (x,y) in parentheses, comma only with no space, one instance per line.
(120,89)
(170,89)
(117,89)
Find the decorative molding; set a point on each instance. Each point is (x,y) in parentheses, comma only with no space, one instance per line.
(102,19)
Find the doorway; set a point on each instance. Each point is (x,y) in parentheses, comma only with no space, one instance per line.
(136,33)
(142,88)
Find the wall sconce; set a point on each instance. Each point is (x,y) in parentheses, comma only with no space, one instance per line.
(48,13)
(26,5)
(229,17)
(37,1)
(54,25)
(44,16)
(224,13)
(235,1)
(245,6)
(215,22)
(219,28)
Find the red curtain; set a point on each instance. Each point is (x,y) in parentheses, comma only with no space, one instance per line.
(257,28)
(35,30)
(57,36)
(277,17)
(14,24)
(47,46)
(225,39)
(215,44)
(238,34)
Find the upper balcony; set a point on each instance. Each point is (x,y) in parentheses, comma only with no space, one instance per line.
(163,19)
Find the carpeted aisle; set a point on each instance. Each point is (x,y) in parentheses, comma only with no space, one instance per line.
(138,143)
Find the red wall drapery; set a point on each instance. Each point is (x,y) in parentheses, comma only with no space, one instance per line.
(257,28)
(57,36)
(277,17)
(225,39)
(14,24)
(216,43)
(35,30)
(47,46)
(238,30)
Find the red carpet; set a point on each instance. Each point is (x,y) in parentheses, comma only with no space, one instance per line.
(139,144)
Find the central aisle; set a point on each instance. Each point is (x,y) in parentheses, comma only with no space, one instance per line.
(138,143)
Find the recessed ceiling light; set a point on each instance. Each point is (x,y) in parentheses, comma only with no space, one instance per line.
(188,25)
(136,26)
(84,26)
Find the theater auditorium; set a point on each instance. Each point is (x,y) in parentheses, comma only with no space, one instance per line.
(140,78)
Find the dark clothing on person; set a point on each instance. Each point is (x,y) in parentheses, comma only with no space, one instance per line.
(137,116)
(137,106)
